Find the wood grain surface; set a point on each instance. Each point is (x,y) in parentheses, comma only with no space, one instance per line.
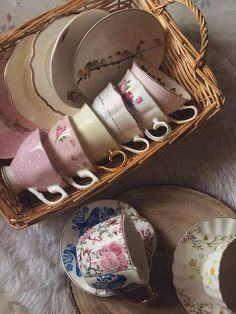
(172,211)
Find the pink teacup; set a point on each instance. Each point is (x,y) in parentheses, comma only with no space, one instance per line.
(168,94)
(31,170)
(142,106)
(68,156)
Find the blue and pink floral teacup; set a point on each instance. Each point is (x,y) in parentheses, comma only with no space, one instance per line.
(111,255)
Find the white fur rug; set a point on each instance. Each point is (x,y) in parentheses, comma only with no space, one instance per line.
(30,268)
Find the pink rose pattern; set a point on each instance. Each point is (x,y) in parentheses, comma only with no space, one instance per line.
(59,131)
(112,258)
(95,260)
(124,88)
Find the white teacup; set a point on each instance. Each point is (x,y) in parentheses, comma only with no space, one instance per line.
(144,109)
(93,135)
(218,274)
(110,108)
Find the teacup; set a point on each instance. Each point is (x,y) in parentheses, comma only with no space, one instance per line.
(167,93)
(93,135)
(144,109)
(218,274)
(68,156)
(31,170)
(110,108)
(111,255)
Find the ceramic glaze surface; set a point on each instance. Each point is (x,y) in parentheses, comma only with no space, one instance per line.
(62,56)
(93,135)
(102,251)
(189,260)
(69,156)
(124,34)
(31,167)
(169,95)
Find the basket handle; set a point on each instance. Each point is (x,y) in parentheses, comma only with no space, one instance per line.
(201,21)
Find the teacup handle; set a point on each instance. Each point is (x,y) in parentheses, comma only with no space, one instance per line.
(151,295)
(156,125)
(84,173)
(195,113)
(53,189)
(137,139)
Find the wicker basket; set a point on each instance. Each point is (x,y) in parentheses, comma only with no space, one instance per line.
(182,62)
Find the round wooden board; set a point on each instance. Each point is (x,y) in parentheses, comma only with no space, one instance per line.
(172,210)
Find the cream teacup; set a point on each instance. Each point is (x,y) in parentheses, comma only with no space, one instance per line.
(144,109)
(32,170)
(68,156)
(110,108)
(111,255)
(167,93)
(93,135)
(218,274)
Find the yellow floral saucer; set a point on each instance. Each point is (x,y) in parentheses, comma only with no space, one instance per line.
(189,259)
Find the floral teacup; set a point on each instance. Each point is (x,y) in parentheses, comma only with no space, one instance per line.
(218,274)
(142,106)
(68,155)
(110,108)
(111,255)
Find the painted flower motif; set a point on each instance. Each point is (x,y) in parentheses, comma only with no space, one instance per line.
(109,262)
(139,100)
(123,86)
(193,263)
(59,131)
(116,248)
(212,271)
(186,300)
(72,142)
(109,281)
(129,97)
(112,257)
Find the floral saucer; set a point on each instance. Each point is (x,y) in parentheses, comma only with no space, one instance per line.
(189,258)
(85,218)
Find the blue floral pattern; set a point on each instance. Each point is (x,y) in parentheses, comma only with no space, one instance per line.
(69,256)
(86,218)
(109,281)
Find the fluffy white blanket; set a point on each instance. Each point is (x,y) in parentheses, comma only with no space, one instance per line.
(30,268)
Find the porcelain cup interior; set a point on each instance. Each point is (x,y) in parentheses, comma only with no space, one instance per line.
(168,94)
(219,276)
(69,158)
(142,106)
(32,170)
(110,108)
(93,135)
(112,255)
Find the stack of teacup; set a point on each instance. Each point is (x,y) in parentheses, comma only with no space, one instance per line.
(119,115)
(135,106)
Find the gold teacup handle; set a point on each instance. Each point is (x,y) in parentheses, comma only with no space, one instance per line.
(150,297)
(112,155)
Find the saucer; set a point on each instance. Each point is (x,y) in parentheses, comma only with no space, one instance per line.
(85,218)
(23,95)
(8,114)
(62,56)
(125,34)
(189,258)
(40,65)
